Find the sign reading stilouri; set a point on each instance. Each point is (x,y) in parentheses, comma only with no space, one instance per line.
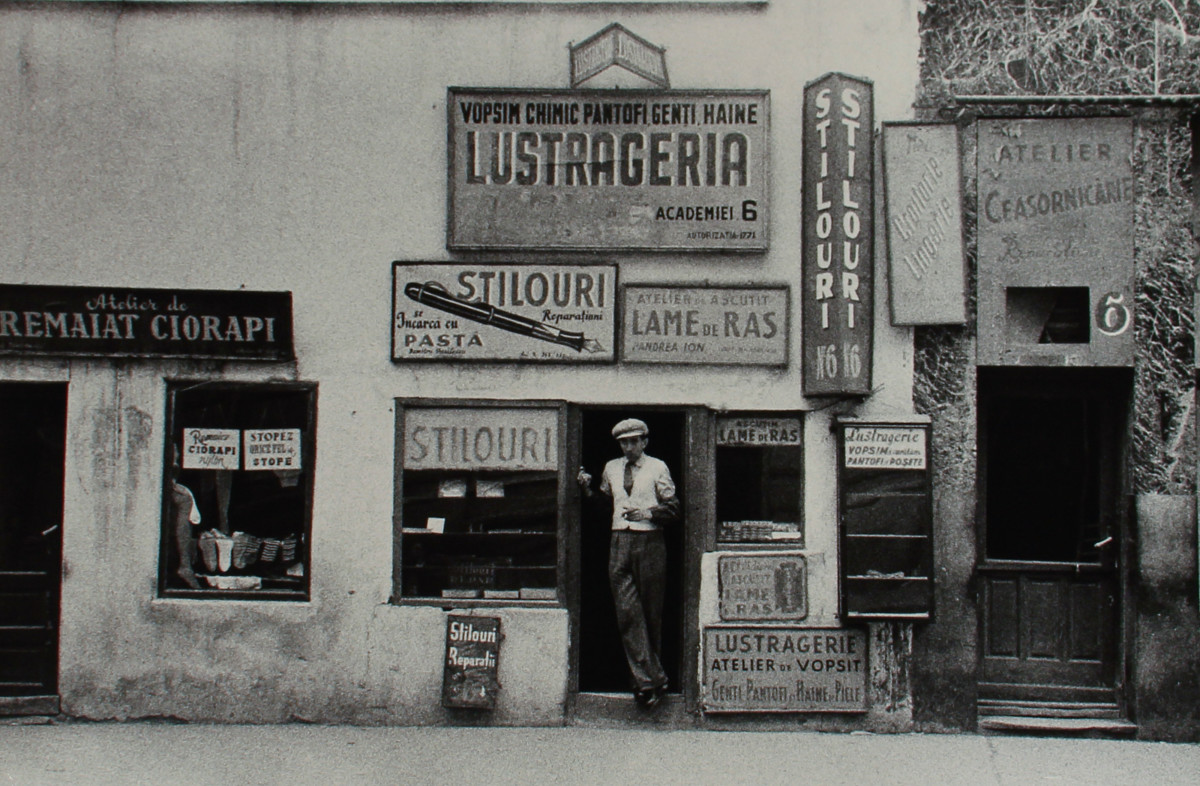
(605,170)
(838,264)
(101,321)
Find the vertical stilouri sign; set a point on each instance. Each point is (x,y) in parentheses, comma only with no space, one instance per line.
(838,212)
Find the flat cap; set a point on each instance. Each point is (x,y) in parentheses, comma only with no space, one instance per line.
(630,427)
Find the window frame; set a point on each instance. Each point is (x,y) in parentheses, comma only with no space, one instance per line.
(402,407)
(308,444)
(795,544)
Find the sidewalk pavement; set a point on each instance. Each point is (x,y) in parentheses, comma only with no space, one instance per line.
(164,754)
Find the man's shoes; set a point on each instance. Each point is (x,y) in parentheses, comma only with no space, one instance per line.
(649,698)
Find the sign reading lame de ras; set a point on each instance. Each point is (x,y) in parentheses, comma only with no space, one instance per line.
(527,313)
(734,326)
(838,261)
(608,170)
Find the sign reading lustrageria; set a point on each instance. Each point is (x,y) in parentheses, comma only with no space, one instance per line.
(577,169)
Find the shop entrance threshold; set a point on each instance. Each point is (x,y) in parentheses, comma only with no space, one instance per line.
(618,710)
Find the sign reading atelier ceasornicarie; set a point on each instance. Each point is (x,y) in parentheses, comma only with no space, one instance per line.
(838,212)
(606,170)
(734,326)
(102,321)
(527,313)
(1056,222)
(756,669)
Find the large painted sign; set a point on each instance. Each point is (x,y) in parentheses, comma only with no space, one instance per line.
(527,313)
(759,669)
(121,322)
(608,170)
(730,326)
(838,214)
(927,270)
(1056,271)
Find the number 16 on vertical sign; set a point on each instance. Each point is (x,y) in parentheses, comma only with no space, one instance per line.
(829,366)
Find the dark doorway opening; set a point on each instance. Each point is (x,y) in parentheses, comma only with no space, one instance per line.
(32,451)
(1051,447)
(602,666)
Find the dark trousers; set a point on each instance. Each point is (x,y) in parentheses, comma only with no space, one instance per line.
(637,565)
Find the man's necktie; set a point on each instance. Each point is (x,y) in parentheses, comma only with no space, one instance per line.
(628,478)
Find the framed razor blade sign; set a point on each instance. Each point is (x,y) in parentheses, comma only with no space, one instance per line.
(498,312)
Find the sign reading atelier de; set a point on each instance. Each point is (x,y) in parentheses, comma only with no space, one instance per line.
(839,238)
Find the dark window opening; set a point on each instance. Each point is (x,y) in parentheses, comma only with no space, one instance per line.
(1048,315)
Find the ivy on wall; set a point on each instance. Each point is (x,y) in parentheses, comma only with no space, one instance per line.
(1080,48)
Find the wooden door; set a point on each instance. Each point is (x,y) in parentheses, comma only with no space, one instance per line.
(1048,580)
(32,433)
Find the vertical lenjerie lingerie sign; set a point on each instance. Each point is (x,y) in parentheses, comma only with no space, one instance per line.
(838,215)
(605,170)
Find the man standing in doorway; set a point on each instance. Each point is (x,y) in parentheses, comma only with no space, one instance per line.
(643,496)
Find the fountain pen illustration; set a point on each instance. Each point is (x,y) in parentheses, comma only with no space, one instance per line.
(435,295)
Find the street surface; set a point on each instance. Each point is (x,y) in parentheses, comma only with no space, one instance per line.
(163,753)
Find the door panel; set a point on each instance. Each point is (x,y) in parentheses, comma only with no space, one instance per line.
(1048,581)
(32,434)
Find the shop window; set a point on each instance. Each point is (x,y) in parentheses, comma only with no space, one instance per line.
(759,460)
(237,504)
(478,492)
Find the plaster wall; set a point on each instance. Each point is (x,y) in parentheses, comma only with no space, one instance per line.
(303,148)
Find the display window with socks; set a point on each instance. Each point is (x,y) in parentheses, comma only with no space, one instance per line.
(237,497)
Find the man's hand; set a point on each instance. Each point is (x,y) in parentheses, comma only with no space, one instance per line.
(636,514)
(583,478)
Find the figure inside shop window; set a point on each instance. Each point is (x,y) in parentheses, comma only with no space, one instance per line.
(644,500)
(184,516)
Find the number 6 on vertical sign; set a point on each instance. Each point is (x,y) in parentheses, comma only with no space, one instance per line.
(1112,315)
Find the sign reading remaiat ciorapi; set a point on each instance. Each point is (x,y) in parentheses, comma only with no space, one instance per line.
(1056,256)
(839,238)
(122,322)
(757,669)
(608,170)
(472,662)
